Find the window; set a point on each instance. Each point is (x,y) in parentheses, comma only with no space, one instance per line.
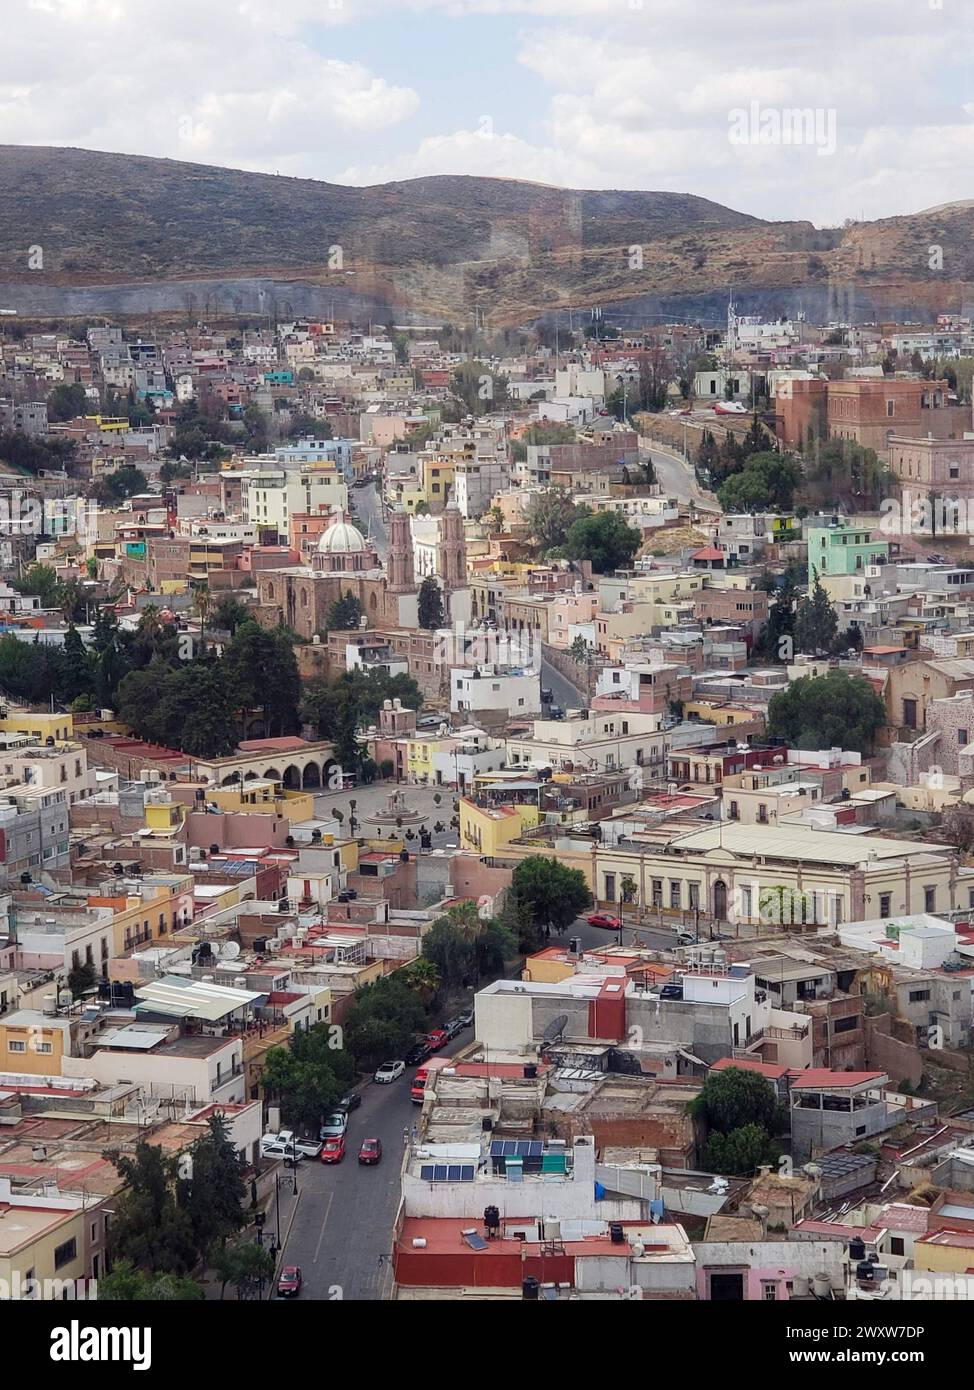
(919,996)
(16,1047)
(734,811)
(769,1291)
(897,1246)
(929,899)
(64,1254)
(676,895)
(610,887)
(885,904)
(762,814)
(845,1025)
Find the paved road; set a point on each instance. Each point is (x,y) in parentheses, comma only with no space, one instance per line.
(652,937)
(565,694)
(676,476)
(368,509)
(342,1231)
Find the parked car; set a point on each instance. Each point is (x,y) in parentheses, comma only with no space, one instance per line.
(389,1071)
(333,1150)
(351,1101)
(370,1152)
(556,712)
(671,992)
(417,1053)
(452,1027)
(604,919)
(466,1018)
(289,1282)
(685,938)
(438,1038)
(280,1145)
(334,1125)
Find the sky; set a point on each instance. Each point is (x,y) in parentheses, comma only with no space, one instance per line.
(689,96)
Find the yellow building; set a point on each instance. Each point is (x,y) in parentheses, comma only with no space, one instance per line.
(42,726)
(945,1252)
(266,798)
(42,1242)
(487,828)
(436,478)
(34,1043)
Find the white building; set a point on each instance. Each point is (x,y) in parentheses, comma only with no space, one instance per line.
(496,690)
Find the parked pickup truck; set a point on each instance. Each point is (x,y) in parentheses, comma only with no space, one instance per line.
(286,1145)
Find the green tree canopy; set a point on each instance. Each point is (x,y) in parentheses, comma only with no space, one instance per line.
(837,710)
(555,894)
(432,614)
(604,538)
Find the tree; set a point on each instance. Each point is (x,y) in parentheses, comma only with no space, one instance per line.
(766,483)
(127,481)
(126,1284)
(477,389)
(550,515)
(81,978)
(307,1078)
(149,1228)
(518,920)
(555,894)
(229,614)
(837,710)
(734,1097)
(383,1021)
(741,1152)
(344,614)
(213,1195)
(246,1265)
(66,402)
(262,673)
(816,623)
(74,668)
(451,951)
(605,538)
(431,611)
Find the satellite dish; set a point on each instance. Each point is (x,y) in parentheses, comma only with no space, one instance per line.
(230,950)
(555,1029)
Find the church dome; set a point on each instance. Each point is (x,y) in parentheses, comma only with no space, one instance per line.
(341,539)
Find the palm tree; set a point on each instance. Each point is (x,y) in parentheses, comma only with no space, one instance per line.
(202,607)
(422,977)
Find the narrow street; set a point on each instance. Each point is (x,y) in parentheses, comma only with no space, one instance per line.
(341,1233)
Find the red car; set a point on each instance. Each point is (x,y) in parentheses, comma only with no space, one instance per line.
(289,1282)
(602,919)
(438,1038)
(370,1152)
(333,1150)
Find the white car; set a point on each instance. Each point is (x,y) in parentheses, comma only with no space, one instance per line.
(335,1125)
(389,1071)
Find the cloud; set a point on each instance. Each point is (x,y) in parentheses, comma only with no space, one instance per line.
(233,82)
(592,93)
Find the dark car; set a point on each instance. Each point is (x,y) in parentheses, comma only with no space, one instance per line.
(417,1053)
(370,1152)
(352,1101)
(289,1282)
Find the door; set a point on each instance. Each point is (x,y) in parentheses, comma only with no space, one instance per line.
(727,1288)
(720,900)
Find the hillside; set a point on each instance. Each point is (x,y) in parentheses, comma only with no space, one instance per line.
(440,246)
